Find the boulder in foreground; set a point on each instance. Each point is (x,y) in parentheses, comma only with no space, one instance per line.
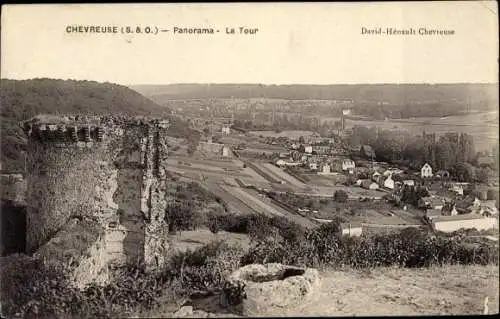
(273,285)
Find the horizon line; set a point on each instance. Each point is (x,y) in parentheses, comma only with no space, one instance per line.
(251,83)
(309,84)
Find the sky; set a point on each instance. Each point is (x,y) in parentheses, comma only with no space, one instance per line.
(297,43)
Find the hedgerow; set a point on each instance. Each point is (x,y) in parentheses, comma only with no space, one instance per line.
(407,248)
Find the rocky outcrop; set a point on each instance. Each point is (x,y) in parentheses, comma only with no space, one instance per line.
(273,285)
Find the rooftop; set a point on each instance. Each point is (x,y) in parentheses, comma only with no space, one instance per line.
(352,225)
(458,217)
(433,212)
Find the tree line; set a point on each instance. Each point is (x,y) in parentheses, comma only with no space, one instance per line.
(454,152)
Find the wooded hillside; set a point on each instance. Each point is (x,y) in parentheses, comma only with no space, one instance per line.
(21,100)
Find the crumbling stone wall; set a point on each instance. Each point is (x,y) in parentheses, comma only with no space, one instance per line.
(112,170)
(13,187)
(80,244)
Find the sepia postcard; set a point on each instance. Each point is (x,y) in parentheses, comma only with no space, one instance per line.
(249,159)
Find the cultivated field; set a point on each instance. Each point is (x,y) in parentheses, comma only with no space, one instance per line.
(325,180)
(236,205)
(354,192)
(193,239)
(210,168)
(282,175)
(290,134)
(276,175)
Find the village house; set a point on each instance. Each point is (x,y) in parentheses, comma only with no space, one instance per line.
(450,224)
(284,155)
(376,176)
(282,163)
(225,151)
(226,129)
(308,149)
(392,171)
(313,166)
(313,139)
(426,171)
(431,202)
(351,229)
(326,169)
(348,165)
(449,210)
(389,182)
(409,182)
(430,214)
(476,203)
(368,184)
(485,208)
(360,181)
(321,149)
(457,189)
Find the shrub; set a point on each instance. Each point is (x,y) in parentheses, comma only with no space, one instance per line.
(205,268)
(340,196)
(32,288)
(407,248)
(183,216)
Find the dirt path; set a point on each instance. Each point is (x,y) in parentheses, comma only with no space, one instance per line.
(451,290)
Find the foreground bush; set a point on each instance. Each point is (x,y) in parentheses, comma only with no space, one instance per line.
(31,288)
(204,269)
(257,226)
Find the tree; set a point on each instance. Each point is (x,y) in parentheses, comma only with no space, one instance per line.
(259,227)
(332,227)
(444,154)
(409,195)
(214,223)
(350,180)
(421,192)
(465,172)
(191,147)
(183,216)
(340,196)
(483,174)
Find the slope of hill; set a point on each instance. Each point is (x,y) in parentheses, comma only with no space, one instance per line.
(394,100)
(21,100)
(391,93)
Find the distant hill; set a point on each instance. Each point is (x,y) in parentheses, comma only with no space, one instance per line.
(21,100)
(390,99)
(391,93)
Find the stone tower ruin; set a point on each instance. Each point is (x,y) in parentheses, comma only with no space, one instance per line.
(111,169)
